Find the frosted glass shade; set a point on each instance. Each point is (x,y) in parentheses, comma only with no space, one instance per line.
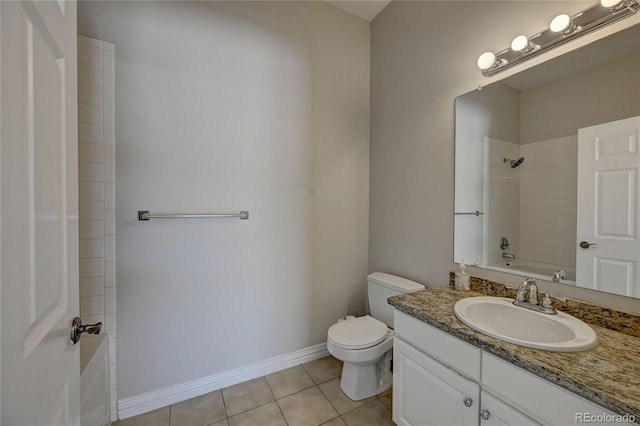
(560,23)
(519,43)
(486,60)
(610,3)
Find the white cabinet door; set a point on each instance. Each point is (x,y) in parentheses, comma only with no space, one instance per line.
(39,213)
(494,412)
(425,392)
(608,214)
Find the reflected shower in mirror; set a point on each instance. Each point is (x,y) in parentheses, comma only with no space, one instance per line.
(547,169)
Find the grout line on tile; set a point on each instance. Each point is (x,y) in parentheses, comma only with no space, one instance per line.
(330,420)
(281,412)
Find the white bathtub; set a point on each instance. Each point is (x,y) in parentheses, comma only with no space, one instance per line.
(94,380)
(541,271)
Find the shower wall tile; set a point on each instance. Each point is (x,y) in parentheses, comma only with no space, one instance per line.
(92,267)
(109,144)
(112,353)
(96,172)
(91,95)
(109,248)
(90,114)
(110,324)
(89,133)
(90,56)
(91,191)
(91,210)
(548,203)
(90,75)
(109,195)
(109,300)
(93,286)
(93,305)
(109,221)
(90,152)
(92,248)
(109,274)
(90,172)
(501,203)
(91,229)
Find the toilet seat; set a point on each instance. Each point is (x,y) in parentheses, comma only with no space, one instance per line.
(358,333)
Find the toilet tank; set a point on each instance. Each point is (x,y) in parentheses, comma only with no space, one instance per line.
(381,286)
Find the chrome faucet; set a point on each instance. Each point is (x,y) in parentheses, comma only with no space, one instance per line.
(559,275)
(509,256)
(529,286)
(524,289)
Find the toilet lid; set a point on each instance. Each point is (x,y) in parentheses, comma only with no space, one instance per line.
(358,333)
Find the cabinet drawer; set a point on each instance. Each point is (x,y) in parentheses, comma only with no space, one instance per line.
(451,351)
(539,399)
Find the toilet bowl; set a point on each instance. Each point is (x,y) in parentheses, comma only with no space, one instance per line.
(365,344)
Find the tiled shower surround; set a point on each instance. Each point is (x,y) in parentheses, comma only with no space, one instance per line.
(548,201)
(533,205)
(96,168)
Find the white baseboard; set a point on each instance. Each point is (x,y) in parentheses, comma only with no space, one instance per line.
(173,394)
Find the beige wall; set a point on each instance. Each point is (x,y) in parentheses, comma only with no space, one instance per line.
(423,56)
(228,106)
(594,96)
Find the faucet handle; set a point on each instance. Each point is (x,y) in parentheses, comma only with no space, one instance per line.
(546,300)
(533,292)
(521,296)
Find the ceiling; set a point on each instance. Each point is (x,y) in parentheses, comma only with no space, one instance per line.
(363,9)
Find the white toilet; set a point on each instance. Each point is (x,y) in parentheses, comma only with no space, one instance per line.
(365,343)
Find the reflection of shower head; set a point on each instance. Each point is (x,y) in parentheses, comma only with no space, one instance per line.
(513,163)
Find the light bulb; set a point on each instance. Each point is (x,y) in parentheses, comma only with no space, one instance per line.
(560,23)
(486,60)
(519,43)
(610,3)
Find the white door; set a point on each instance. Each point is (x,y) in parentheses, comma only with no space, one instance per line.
(426,392)
(39,213)
(608,252)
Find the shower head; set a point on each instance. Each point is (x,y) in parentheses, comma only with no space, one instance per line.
(513,163)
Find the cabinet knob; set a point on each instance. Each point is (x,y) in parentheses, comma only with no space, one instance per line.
(468,402)
(485,414)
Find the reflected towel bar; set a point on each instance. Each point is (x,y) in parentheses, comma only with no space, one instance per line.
(476,213)
(146,215)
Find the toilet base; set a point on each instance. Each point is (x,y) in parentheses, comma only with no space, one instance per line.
(364,380)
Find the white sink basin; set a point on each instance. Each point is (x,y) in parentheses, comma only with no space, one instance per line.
(498,317)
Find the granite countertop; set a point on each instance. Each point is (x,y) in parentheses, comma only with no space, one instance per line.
(608,375)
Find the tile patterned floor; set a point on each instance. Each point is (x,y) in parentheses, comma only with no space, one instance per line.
(305,395)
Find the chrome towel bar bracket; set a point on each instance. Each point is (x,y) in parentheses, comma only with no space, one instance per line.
(146,215)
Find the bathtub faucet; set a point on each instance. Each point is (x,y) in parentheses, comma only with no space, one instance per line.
(509,256)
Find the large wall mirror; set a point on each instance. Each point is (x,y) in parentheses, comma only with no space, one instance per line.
(547,180)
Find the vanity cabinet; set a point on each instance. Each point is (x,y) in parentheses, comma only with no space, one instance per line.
(426,392)
(439,379)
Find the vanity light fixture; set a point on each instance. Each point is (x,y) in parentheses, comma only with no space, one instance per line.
(562,29)
(522,44)
(611,4)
